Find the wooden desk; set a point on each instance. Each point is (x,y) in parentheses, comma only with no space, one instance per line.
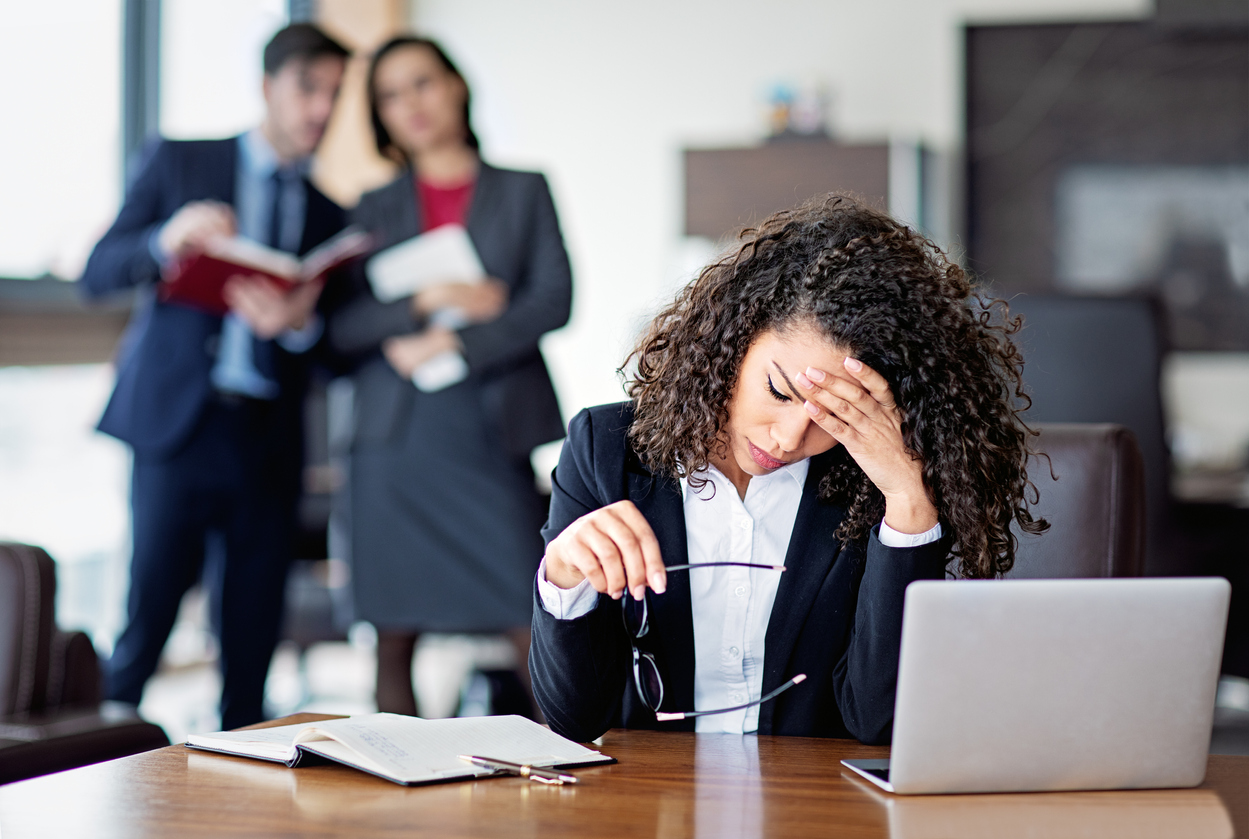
(665,785)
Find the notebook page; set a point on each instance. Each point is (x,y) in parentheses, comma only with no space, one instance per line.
(273,743)
(412,749)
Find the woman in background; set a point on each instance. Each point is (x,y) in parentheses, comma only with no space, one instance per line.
(830,400)
(443,515)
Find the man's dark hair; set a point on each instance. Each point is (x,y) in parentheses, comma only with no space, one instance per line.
(301,41)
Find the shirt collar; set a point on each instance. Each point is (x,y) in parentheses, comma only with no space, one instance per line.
(796,472)
(259,158)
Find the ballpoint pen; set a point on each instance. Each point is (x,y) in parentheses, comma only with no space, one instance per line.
(533,773)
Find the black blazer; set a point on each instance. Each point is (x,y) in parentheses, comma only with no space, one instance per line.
(169,350)
(513,226)
(837,615)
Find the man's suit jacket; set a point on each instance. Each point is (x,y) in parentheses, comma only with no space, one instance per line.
(837,615)
(168,352)
(513,226)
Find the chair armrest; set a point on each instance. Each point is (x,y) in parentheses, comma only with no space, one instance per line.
(32,745)
(74,672)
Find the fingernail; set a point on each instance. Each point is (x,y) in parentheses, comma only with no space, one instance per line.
(639,592)
(658,584)
(616,595)
(815,375)
(853,364)
(811,409)
(802,380)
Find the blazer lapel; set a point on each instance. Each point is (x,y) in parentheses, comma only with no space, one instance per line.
(404,214)
(481,216)
(671,616)
(813,549)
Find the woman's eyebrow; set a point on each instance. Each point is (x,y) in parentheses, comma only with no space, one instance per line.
(792,389)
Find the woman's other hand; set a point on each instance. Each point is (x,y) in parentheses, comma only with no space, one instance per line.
(478,302)
(613,547)
(856,406)
(405,353)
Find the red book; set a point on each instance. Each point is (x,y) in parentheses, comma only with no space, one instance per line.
(198,280)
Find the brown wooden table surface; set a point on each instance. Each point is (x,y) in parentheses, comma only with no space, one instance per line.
(665,785)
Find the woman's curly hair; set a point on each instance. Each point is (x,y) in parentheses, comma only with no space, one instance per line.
(892,299)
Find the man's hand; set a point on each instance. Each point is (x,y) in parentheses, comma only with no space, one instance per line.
(190,229)
(268,309)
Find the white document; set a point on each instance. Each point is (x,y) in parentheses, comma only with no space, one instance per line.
(443,255)
(440,372)
(407,750)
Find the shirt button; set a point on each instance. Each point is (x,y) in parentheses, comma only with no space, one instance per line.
(736,697)
(740,591)
(744,524)
(734,651)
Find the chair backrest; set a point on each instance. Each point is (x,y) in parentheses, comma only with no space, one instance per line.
(27,598)
(1099,360)
(1095,504)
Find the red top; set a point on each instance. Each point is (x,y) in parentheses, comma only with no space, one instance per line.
(443,205)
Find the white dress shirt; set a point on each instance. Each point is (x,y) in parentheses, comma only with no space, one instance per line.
(731,605)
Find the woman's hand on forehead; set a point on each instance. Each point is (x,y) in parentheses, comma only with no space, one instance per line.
(856,407)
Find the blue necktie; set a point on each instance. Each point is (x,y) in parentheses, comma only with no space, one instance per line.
(262,351)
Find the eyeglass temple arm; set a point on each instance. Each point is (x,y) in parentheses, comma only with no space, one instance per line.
(709,564)
(662,716)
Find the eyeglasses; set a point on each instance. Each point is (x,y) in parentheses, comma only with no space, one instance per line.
(650,685)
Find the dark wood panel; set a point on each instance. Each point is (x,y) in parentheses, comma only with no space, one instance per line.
(727,189)
(1041,98)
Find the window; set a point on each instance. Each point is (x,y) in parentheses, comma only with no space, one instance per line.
(211,64)
(60,151)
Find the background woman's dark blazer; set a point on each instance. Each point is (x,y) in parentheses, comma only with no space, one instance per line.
(513,226)
(836,617)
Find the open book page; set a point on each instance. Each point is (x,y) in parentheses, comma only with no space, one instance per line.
(245,253)
(443,255)
(265,743)
(350,243)
(411,750)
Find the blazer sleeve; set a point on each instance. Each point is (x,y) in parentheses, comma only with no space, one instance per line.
(123,259)
(578,666)
(360,322)
(866,677)
(539,304)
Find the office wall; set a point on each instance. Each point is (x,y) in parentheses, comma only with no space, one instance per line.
(604,96)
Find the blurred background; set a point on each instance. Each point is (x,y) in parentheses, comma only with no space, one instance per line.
(1073,154)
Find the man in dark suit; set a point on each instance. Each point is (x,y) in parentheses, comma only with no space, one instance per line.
(211,405)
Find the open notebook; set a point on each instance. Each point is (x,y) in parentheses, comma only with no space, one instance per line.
(406,750)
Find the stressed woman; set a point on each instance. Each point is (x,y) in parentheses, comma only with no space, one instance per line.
(441,514)
(819,419)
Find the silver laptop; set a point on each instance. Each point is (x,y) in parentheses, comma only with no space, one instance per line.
(1029,685)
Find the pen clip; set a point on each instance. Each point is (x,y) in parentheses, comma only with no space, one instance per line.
(555,782)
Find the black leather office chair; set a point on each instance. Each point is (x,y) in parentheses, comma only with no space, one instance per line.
(1095,504)
(51,717)
(1099,360)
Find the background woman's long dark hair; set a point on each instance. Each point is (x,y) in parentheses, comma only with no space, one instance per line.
(385,145)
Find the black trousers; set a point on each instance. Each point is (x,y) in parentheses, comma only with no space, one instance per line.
(221,508)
